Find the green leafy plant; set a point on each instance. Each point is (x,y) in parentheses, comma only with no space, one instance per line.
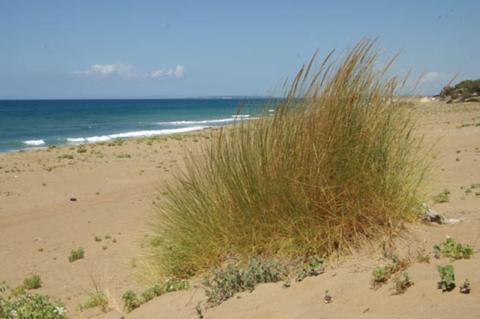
(130,300)
(337,162)
(402,283)
(65,156)
(451,249)
(447,278)
(228,281)
(76,254)
(152,292)
(443,197)
(313,267)
(29,306)
(96,298)
(173,284)
(380,275)
(32,282)
(81,149)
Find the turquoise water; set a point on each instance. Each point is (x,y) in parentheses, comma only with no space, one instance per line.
(41,123)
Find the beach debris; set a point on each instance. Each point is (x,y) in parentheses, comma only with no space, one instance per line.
(199,309)
(433,217)
(73,199)
(465,287)
(327,298)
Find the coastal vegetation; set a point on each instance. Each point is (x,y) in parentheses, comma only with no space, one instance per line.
(337,164)
(465,91)
(14,304)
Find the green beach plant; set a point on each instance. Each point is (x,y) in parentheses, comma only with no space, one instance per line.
(227,281)
(32,282)
(443,197)
(447,278)
(26,305)
(402,283)
(451,249)
(338,163)
(76,254)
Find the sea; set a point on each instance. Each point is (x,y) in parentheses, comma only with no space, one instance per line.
(27,124)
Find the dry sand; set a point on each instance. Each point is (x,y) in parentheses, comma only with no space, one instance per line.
(39,225)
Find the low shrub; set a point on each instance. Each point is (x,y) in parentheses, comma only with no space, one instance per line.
(96,299)
(313,267)
(382,274)
(29,306)
(451,249)
(130,300)
(65,156)
(232,279)
(443,197)
(402,283)
(32,282)
(76,254)
(447,278)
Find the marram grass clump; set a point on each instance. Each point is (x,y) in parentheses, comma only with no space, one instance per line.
(338,163)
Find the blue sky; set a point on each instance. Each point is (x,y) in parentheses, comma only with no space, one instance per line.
(147,49)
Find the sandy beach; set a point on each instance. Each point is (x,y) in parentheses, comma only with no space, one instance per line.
(59,199)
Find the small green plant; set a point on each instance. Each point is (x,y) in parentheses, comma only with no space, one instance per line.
(29,306)
(65,156)
(451,249)
(76,254)
(402,283)
(131,301)
(96,299)
(226,282)
(81,149)
(123,155)
(447,277)
(443,197)
(173,284)
(313,267)
(151,293)
(380,275)
(32,282)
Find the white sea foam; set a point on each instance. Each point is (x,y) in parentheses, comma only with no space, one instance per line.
(103,138)
(34,142)
(234,118)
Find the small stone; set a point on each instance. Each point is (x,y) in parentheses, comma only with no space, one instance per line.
(73,199)
(327,299)
(465,288)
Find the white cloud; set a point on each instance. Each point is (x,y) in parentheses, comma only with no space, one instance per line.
(178,72)
(119,69)
(434,77)
(127,71)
